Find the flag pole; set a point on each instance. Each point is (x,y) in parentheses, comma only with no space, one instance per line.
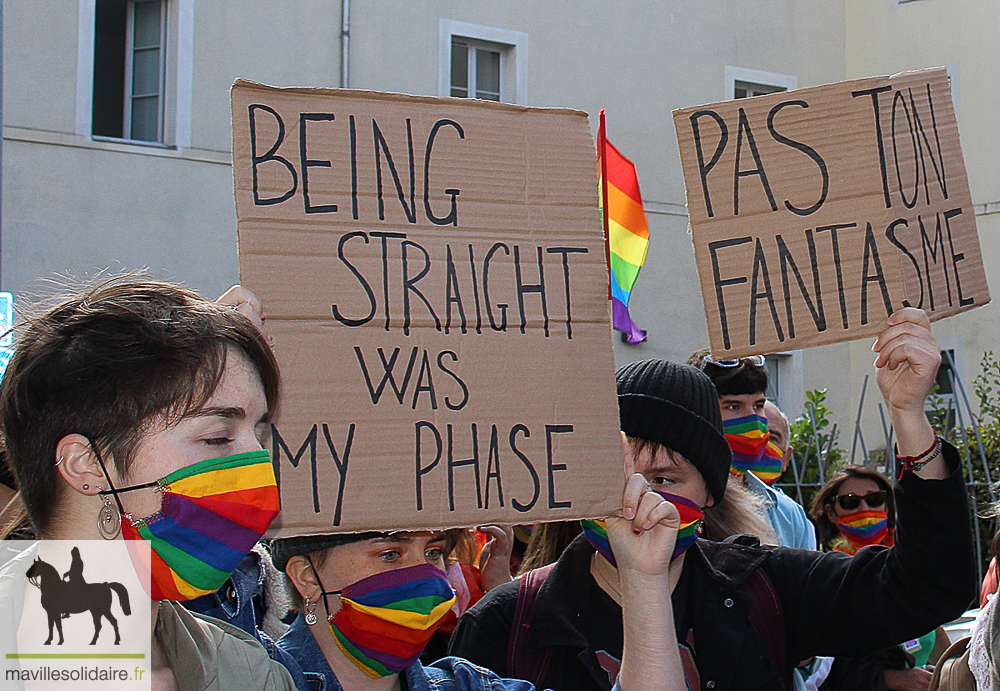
(602,156)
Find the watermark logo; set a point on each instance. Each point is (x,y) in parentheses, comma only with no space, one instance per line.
(71,594)
(76,616)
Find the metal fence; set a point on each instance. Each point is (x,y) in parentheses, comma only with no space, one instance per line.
(965,434)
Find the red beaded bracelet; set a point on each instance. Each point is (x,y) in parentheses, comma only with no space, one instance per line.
(915,463)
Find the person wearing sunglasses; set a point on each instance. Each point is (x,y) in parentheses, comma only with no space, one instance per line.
(741,385)
(855,508)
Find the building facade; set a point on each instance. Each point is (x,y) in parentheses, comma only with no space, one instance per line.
(116,125)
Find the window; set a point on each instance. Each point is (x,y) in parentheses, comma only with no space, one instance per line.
(749,89)
(741,82)
(475,70)
(129,69)
(482,62)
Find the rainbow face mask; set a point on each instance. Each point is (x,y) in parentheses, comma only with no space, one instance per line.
(769,468)
(691,517)
(386,620)
(862,528)
(212,514)
(747,437)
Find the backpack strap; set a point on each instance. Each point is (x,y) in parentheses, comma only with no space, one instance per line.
(767,618)
(520,663)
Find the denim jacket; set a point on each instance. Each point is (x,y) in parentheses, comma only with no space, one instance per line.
(447,674)
(240,602)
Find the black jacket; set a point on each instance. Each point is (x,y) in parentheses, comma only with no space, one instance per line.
(833,604)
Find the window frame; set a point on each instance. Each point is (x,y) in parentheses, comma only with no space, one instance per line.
(775,80)
(513,49)
(128,92)
(178,76)
(473,47)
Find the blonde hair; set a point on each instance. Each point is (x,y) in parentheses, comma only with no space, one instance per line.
(741,512)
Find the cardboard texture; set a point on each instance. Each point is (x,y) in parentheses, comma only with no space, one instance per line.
(434,276)
(817,213)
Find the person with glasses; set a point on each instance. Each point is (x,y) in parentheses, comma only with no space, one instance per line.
(741,385)
(853,510)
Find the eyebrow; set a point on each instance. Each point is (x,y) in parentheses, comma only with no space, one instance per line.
(403,537)
(232,413)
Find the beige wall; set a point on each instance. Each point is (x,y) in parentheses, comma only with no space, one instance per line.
(883,37)
(71,204)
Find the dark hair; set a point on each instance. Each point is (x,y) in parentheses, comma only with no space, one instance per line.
(548,541)
(107,361)
(744,378)
(827,530)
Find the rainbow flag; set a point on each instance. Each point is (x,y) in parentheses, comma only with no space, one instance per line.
(625,230)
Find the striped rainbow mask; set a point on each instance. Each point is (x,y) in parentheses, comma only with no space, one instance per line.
(769,468)
(864,527)
(747,437)
(386,620)
(212,514)
(691,517)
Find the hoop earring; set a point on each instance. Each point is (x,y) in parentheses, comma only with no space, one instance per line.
(109,520)
(310,617)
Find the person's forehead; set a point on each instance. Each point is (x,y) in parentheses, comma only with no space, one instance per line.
(743,397)
(658,459)
(858,485)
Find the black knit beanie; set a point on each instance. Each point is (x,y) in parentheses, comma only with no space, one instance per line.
(284,548)
(676,406)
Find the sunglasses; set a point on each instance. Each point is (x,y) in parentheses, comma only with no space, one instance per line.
(849,502)
(756,360)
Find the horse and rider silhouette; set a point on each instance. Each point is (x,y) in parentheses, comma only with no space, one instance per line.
(71,594)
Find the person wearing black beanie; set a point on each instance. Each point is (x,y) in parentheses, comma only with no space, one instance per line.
(745,614)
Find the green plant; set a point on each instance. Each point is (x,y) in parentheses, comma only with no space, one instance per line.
(814,445)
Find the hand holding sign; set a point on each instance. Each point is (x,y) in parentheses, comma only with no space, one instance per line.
(907,363)
(817,213)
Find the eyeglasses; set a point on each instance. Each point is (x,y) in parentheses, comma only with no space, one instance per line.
(849,502)
(756,360)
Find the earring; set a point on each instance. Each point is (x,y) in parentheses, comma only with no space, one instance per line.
(86,487)
(59,462)
(109,521)
(310,612)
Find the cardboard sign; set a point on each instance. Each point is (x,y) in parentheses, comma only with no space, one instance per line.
(817,213)
(433,273)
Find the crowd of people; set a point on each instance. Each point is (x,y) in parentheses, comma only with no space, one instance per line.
(134,410)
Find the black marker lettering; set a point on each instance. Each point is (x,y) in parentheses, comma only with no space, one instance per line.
(523,288)
(278,445)
(361,279)
(308,163)
(381,145)
(421,469)
(720,283)
(808,151)
(512,438)
(269,155)
(410,286)
(871,250)
(340,464)
(565,252)
(874,92)
(452,217)
(703,168)
(760,268)
(551,430)
(452,464)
